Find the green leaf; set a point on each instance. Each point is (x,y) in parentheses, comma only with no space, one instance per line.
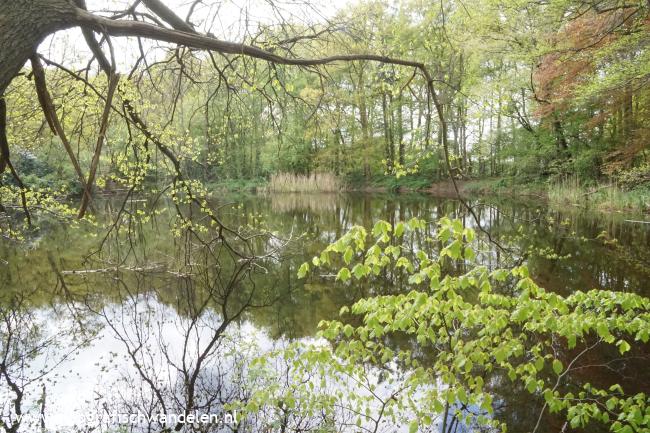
(381,228)
(413,427)
(576,421)
(557,366)
(347,256)
(304,268)
(500,274)
(324,257)
(500,354)
(360,270)
(603,330)
(531,385)
(343,275)
(461,395)
(453,250)
(571,340)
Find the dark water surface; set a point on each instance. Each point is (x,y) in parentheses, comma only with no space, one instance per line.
(94,323)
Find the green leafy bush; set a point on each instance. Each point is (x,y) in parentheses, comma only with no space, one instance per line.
(473,324)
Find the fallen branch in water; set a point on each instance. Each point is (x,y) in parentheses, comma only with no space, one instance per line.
(155,268)
(637,221)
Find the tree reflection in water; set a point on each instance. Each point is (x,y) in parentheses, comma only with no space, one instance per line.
(178,324)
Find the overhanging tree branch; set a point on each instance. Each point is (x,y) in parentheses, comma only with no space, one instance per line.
(50,115)
(124,28)
(185,35)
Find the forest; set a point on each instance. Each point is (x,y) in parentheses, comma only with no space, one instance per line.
(312,216)
(550,95)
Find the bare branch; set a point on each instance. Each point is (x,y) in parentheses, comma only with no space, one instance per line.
(160,9)
(112,85)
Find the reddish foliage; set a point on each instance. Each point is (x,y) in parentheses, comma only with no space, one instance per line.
(561,72)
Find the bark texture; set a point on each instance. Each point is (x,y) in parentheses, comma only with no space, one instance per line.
(23,25)
(4,145)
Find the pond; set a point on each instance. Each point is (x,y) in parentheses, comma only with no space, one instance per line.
(97,325)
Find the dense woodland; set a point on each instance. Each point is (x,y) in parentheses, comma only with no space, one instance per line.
(530,91)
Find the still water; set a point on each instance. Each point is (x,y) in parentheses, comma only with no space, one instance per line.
(96,324)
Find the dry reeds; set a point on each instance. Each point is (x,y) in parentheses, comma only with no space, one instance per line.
(316,182)
(604,197)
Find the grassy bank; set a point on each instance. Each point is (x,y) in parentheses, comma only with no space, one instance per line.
(606,197)
(238,185)
(570,192)
(389,183)
(504,186)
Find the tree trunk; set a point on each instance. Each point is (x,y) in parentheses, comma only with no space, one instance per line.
(365,127)
(388,133)
(628,117)
(400,131)
(463,137)
(23,25)
(497,144)
(4,145)
(559,133)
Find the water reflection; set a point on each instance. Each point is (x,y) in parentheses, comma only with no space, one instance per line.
(152,322)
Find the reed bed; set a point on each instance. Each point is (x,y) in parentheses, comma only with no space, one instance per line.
(567,191)
(606,197)
(316,182)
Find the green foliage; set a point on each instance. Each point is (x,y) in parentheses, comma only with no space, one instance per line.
(637,177)
(238,185)
(44,201)
(473,323)
(513,102)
